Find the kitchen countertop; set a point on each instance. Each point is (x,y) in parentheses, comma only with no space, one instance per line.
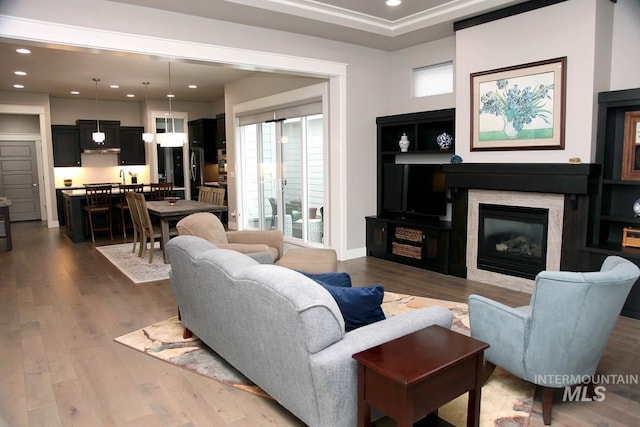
(79,191)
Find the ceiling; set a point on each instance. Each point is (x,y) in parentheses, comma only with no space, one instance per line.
(58,70)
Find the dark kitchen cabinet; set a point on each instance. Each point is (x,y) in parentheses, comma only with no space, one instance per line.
(66,146)
(221,135)
(131,146)
(111,128)
(202,133)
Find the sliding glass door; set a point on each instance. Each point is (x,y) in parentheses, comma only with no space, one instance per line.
(282,177)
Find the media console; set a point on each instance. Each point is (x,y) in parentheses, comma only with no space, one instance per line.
(412,196)
(417,243)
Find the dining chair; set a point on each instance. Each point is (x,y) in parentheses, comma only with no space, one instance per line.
(147,229)
(212,195)
(161,190)
(98,203)
(135,220)
(122,204)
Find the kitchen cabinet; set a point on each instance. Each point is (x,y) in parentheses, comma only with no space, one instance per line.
(131,146)
(111,128)
(221,136)
(202,133)
(66,146)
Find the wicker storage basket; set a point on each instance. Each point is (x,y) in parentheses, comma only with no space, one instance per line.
(410,234)
(406,250)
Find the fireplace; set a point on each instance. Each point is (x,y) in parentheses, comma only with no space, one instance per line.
(561,189)
(512,240)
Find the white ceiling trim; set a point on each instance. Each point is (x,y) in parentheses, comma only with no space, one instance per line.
(91,38)
(455,9)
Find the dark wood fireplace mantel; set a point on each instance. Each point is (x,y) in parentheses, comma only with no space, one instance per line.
(562,178)
(575,181)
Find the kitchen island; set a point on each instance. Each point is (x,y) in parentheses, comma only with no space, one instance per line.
(74,218)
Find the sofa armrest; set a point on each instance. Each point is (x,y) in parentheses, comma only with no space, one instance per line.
(504,328)
(335,371)
(272,238)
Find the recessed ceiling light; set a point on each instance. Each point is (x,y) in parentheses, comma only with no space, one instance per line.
(23,51)
(393,2)
(74,92)
(18,86)
(114,86)
(170,95)
(193,86)
(130,95)
(20,73)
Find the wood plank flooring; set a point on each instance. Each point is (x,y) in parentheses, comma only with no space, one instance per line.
(61,305)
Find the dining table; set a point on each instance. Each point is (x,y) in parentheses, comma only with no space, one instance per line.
(168,212)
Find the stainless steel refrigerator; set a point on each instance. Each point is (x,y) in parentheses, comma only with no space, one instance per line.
(196,170)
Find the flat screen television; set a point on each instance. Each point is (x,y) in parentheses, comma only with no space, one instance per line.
(413,191)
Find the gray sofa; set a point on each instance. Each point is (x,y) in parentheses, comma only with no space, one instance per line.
(279,328)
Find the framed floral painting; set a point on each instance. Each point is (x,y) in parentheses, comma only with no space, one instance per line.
(520,107)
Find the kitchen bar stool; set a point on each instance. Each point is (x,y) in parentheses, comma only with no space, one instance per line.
(98,203)
(161,190)
(122,205)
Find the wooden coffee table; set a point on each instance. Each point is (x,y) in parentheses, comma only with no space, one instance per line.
(412,376)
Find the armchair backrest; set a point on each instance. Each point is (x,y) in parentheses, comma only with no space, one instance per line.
(572,316)
(205,225)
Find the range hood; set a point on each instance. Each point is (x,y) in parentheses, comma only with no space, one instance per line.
(99,150)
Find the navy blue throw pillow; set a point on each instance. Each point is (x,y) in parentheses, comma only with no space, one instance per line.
(359,306)
(334,279)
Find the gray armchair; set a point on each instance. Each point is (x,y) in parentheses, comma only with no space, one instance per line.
(561,335)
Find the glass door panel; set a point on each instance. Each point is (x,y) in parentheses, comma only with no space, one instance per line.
(315,178)
(282,178)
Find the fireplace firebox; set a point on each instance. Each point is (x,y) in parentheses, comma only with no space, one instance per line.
(512,240)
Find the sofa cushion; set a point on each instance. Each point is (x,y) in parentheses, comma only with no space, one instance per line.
(334,279)
(359,306)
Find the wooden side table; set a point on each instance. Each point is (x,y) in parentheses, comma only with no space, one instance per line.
(412,376)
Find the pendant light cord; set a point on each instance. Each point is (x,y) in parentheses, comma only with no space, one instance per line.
(97,119)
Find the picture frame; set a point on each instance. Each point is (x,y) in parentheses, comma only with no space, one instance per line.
(520,107)
(631,147)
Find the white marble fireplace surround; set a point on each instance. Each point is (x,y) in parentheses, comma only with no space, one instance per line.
(553,202)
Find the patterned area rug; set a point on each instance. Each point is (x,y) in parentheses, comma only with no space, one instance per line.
(506,400)
(135,268)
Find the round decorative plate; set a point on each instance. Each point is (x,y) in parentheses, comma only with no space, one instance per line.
(444,141)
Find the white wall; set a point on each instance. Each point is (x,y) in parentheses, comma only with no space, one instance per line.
(564,29)
(403,62)
(625,52)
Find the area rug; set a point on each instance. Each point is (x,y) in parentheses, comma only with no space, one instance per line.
(134,267)
(506,400)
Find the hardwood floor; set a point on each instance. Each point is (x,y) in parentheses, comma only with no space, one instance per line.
(61,305)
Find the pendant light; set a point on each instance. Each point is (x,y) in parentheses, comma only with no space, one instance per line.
(147,136)
(173,138)
(98,137)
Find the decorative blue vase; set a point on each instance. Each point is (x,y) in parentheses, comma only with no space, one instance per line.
(445,141)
